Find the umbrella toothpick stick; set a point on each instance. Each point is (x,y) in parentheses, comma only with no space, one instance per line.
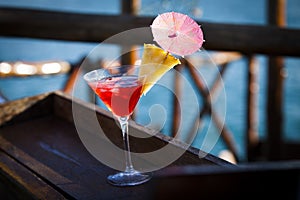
(165,58)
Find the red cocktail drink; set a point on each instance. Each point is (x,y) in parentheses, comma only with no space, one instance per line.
(120,94)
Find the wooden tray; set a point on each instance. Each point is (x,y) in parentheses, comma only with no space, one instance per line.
(43,157)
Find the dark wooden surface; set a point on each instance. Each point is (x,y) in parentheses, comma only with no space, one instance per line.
(248,39)
(42,157)
(52,162)
(17,182)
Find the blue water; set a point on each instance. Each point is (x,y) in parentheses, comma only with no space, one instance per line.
(229,11)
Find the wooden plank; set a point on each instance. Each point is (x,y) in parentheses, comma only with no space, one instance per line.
(69,26)
(21,183)
(249,39)
(15,109)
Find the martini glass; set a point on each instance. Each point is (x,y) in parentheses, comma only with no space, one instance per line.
(120,89)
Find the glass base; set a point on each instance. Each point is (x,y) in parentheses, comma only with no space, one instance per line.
(129,178)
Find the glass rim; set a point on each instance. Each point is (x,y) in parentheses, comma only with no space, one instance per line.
(100,71)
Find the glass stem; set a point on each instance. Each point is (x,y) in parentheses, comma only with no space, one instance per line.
(124,126)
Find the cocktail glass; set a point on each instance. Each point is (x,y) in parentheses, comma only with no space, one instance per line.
(120,89)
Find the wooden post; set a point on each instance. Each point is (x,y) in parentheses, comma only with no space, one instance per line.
(176,98)
(129,7)
(276,17)
(252,136)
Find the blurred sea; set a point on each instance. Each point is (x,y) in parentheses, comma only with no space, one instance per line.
(229,11)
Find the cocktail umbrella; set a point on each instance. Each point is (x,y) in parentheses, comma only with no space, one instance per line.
(177,33)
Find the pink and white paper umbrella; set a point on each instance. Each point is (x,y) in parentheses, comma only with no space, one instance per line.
(177,33)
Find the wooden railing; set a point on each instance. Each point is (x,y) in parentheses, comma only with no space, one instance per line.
(249,40)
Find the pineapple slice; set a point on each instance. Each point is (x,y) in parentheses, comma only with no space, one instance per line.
(155,63)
